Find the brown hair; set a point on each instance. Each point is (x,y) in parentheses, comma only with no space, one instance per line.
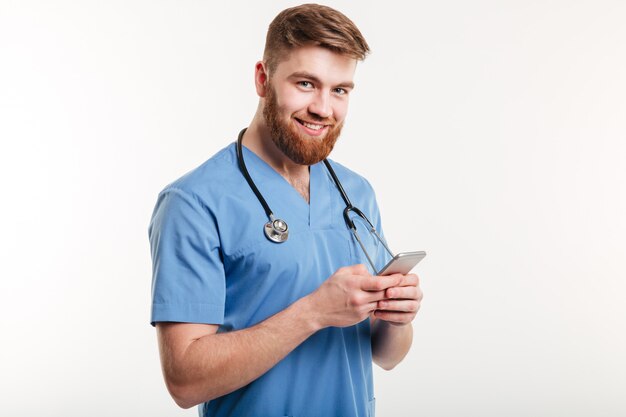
(312,24)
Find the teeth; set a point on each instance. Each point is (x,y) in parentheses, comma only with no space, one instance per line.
(311,126)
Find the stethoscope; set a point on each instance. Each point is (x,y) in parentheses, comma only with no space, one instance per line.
(277,230)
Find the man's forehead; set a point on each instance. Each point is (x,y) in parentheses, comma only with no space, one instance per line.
(317,63)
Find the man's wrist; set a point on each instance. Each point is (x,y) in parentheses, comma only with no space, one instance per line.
(309,315)
(387,326)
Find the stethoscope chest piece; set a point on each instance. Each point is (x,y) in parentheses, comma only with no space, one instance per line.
(276,230)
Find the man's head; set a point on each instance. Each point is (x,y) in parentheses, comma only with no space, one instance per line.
(309,61)
(312,24)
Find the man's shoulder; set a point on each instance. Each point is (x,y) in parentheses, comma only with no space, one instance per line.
(211,176)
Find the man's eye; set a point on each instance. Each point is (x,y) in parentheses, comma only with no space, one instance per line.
(341,91)
(305,84)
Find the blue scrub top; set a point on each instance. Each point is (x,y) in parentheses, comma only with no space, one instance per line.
(213,264)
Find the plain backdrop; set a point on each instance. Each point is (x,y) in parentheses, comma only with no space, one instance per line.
(493,132)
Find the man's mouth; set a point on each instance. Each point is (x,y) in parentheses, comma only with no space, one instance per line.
(316,127)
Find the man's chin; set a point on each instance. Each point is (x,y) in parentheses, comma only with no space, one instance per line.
(309,152)
(311,139)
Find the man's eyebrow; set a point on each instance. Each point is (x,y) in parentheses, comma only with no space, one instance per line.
(309,76)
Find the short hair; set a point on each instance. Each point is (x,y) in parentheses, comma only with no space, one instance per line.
(312,24)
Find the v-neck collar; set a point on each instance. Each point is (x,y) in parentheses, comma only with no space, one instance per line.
(284,199)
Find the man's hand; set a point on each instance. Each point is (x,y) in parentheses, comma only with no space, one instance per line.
(350,295)
(392,333)
(401,302)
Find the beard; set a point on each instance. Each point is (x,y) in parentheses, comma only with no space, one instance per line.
(293,143)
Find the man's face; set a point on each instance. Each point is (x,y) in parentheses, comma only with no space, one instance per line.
(306,102)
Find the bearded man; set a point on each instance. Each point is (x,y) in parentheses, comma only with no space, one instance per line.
(288,322)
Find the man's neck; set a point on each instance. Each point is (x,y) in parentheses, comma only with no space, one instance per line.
(257,139)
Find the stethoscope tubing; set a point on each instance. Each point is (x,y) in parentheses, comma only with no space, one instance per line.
(246,174)
(280,236)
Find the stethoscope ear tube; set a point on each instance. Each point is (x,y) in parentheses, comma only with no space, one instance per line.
(352,227)
(349,222)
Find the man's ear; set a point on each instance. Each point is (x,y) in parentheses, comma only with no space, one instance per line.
(261,79)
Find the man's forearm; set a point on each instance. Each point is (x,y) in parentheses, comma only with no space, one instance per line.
(390,343)
(200,364)
(217,364)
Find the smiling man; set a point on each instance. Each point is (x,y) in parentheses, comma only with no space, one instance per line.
(279,317)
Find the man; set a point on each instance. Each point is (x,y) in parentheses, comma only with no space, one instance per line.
(250,327)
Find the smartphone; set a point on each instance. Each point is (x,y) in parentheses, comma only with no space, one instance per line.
(402,263)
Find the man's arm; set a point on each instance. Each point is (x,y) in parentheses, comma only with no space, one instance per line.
(392,332)
(200,364)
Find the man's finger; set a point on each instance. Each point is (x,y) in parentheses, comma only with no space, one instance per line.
(396,318)
(409,280)
(407,293)
(374,296)
(399,306)
(377,283)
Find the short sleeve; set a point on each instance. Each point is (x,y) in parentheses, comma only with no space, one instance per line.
(188,280)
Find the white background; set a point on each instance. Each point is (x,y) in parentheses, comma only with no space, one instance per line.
(493,132)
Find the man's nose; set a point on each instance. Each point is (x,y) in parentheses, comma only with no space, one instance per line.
(321,105)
